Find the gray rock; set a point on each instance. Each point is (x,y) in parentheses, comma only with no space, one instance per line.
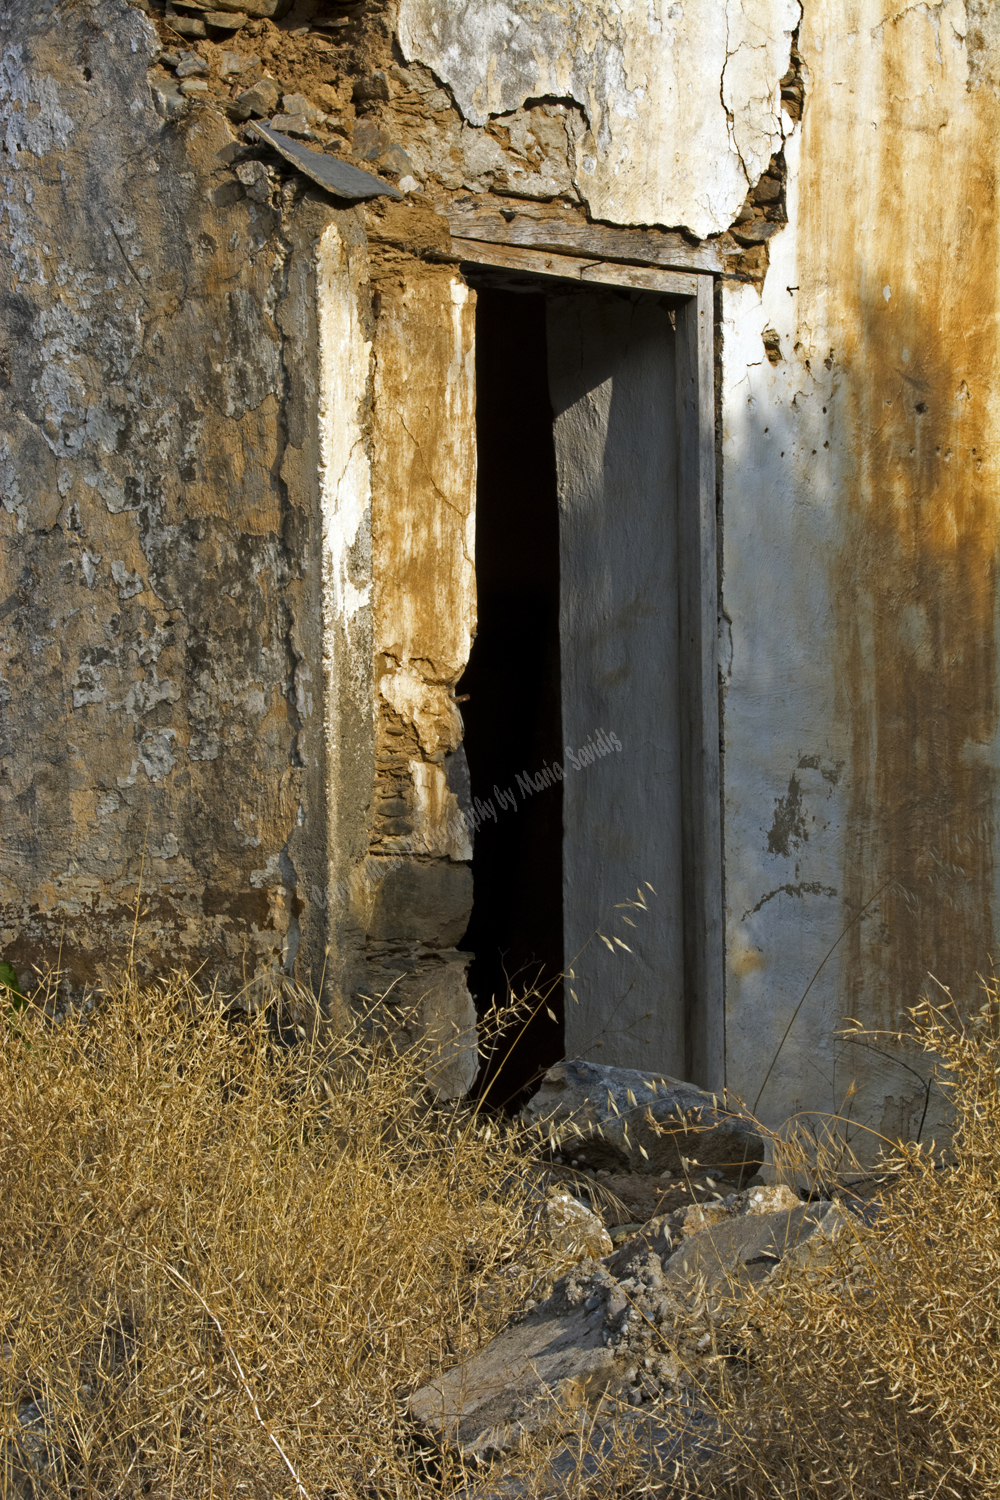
(618,1335)
(168,101)
(300,105)
(256,180)
(190,65)
(671,1437)
(189,26)
(269,9)
(555,1358)
(296,125)
(261,99)
(236,62)
(641,1122)
(725,1259)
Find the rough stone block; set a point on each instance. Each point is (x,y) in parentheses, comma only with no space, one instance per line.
(409,901)
(261,99)
(445,1022)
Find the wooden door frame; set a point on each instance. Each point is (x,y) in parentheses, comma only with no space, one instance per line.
(546,242)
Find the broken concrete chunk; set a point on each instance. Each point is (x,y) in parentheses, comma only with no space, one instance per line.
(741,1252)
(722,1260)
(618,1334)
(550,1361)
(642,1122)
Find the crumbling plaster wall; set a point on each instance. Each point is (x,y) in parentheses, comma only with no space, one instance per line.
(165,716)
(241,585)
(680,103)
(860,562)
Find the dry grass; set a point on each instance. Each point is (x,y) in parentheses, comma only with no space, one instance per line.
(225,1261)
(876,1373)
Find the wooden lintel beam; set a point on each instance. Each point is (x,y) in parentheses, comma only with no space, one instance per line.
(542,226)
(575,268)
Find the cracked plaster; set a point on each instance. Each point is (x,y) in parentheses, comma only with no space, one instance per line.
(683,114)
(154,560)
(860,705)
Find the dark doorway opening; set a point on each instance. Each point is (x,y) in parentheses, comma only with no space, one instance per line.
(513,716)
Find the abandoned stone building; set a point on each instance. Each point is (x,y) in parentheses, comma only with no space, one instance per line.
(468,464)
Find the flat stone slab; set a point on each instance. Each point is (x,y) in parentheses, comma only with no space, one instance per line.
(547,1360)
(644,1122)
(338,177)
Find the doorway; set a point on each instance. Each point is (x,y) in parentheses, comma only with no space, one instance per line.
(591,723)
(513,713)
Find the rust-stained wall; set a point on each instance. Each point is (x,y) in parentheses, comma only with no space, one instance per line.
(163,702)
(861,710)
(417,890)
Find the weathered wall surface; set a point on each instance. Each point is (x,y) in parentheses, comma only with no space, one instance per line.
(238,473)
(163,693)
(416,892)
(679,105)
(860,560)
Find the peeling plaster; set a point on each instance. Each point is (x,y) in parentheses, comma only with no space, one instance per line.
(683,113)
(861,714)
(149,557)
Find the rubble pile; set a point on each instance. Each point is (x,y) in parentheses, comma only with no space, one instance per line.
(623,1341)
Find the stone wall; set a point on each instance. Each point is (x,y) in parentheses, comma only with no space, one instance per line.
(158,737)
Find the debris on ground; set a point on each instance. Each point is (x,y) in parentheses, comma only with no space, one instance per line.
(636,1329)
